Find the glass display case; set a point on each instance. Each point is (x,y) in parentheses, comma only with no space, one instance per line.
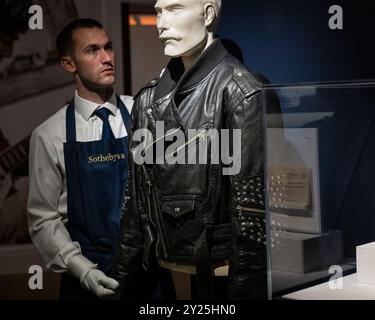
(320,142)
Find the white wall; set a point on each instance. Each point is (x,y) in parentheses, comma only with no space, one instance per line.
(144,64)
(147,57)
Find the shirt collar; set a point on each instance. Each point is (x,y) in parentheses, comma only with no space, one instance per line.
(86,107)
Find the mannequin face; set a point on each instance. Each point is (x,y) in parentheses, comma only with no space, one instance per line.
(182,26)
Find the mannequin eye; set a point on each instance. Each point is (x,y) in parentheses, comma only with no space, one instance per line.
(175,8)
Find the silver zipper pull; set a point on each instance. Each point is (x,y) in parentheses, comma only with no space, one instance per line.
(240,215)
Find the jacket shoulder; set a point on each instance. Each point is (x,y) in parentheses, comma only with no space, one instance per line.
(153,83)
(246,80)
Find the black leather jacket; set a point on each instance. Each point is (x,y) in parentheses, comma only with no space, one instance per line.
(193,214)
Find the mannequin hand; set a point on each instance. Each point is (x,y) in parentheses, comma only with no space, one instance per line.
(97,282)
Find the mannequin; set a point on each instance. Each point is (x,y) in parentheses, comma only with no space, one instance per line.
(193,218)
(186,29)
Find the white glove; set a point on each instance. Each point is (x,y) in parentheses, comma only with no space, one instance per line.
(97,282)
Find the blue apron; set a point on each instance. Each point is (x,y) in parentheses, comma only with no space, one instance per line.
(96,175)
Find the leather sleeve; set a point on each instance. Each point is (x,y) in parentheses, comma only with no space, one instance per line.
(248,259)
(128,259)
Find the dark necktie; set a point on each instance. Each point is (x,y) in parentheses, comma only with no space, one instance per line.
(103,114)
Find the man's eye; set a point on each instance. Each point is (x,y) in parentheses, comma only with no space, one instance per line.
(91,50)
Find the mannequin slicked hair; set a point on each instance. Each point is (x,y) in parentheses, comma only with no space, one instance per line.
(217,5)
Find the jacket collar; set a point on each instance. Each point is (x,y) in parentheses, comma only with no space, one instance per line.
(174,76)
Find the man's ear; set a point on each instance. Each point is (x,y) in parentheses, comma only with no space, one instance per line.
(210,14)
(68,64)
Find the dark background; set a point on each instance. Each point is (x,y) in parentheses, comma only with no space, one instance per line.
(290,41)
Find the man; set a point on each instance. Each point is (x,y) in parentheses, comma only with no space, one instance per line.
(78,167)
(195,217)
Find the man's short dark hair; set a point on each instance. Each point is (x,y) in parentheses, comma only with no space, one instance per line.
(64,41)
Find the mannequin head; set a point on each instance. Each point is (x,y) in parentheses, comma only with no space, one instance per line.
(187,27)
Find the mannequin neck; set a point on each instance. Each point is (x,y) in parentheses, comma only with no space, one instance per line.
(191,56)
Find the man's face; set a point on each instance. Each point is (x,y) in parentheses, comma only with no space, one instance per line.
(181,26)
(93,57)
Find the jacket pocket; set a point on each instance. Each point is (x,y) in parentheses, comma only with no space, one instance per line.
(182,228)
(177,208)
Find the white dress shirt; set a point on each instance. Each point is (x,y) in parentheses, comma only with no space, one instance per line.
(47,203)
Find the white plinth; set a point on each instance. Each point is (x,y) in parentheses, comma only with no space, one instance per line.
(366,263)
(351,290)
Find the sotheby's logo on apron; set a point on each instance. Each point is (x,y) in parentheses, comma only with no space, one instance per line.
(106,158)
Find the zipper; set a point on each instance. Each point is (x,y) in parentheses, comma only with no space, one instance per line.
(156,140)
(125,204)
(244,211)
(159,237)
(150,195)
(187,143)
(254,230)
